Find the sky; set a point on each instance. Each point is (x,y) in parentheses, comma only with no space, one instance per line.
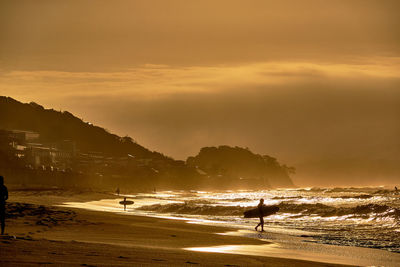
(315,84)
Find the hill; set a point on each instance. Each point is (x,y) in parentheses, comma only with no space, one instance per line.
(63,150)
(241,163)
(54,126)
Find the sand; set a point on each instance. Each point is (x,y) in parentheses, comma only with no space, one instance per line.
(40,233)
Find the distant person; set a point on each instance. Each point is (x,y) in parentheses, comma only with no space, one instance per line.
(117,191)
(396,190)
(3,198)
(260,209)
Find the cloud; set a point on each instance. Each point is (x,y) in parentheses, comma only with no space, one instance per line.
(157,80)
(300,112)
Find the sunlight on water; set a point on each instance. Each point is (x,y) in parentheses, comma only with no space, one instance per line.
(367,217)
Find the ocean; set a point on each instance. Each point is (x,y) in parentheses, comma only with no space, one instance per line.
(362,217)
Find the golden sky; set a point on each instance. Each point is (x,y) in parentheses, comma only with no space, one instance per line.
(314,83)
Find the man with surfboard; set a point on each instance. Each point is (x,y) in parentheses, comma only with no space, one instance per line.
(260,209)
(126,202)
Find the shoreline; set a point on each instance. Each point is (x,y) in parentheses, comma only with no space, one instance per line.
(175,240)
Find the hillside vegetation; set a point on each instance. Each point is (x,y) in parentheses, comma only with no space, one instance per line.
(105,160)
(55,125)
(240,163)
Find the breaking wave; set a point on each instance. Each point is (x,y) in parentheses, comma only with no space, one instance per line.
(363,196)
(318,209)
(374,190)
(329,211)
(187,208)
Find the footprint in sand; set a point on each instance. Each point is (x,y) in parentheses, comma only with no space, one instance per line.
(190,262)
(122,257)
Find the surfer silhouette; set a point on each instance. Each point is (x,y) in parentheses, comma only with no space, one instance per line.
(396,190)
(126,202)
(3,198)
(260,209)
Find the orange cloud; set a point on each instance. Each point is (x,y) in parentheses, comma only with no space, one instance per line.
(151,81)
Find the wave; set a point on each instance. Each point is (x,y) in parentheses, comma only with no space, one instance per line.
(383,191)
(241,199)
(363,196)
(329,211)
(374,190)
(298,210)
(286,197)
(188,208)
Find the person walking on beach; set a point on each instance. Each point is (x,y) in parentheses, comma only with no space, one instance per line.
(3,198)
(260,210)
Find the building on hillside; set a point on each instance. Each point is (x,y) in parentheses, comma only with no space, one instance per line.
(38,155)
(25,145)
(24,136)
(18,137)
(67,146)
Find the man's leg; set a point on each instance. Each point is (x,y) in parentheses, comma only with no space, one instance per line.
(262,224)
(2,219)
(261,220)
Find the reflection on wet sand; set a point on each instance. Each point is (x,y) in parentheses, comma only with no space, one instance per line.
(309,252)
(255,250)
(275,250)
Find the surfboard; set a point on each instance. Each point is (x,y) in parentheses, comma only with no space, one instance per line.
(255,213)
(126,202)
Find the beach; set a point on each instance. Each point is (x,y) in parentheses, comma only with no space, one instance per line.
(41,232)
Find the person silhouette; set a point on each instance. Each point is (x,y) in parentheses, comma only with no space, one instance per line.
(260,209)
(3,198)
(396,190)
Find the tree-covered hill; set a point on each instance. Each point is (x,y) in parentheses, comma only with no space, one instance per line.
(241,163)
(54,126)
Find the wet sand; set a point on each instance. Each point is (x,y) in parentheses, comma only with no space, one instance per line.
(40,233)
